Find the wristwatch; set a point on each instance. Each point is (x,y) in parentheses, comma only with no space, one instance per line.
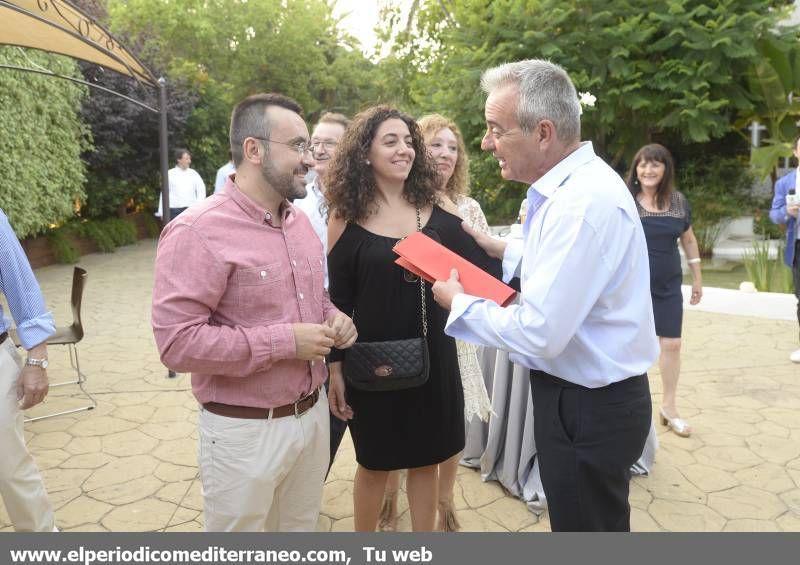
(43,363)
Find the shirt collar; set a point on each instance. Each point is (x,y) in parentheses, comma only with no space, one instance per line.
(253,210)
(556,176)
(315,187)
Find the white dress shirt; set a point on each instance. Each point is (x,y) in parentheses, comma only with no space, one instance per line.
(313,204)
(185,187)
(585,314)
(223,173)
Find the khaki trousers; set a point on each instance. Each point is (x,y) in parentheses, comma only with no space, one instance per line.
(21,485)
(264,475)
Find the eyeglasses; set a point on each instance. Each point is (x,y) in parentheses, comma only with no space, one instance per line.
(300,146)
(327,145)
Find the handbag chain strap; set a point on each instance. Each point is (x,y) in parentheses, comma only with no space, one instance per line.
(422,289)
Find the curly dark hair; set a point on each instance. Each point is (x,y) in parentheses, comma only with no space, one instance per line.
(350,187)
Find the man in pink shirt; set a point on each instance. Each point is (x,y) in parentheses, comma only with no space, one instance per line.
(239,302)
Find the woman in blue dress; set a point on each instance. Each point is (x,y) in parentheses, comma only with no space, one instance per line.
(666,218)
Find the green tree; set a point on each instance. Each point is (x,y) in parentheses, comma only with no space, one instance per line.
(776,78)
(225,50)
(41,142)
(268,45)
(679,71)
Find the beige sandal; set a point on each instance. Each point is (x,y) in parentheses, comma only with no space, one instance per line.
(448,521)
(678,425)
(387,520)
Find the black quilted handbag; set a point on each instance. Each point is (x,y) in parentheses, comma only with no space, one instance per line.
(390,365)
(387,365)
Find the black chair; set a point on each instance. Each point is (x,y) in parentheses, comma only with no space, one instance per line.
(70,336)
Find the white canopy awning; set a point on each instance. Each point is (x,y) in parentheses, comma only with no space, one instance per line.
(56,26)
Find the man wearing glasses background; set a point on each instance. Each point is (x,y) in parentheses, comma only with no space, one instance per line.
(239,301)
(324,140)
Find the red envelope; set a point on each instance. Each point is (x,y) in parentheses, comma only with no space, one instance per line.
(433,261)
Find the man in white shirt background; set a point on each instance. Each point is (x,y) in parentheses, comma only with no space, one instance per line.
(223,173)
(584,324)
(324,139)
(186,187)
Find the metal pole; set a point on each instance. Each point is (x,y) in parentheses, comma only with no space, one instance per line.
(162,142)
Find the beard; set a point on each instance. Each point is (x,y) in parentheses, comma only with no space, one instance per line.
(285,184)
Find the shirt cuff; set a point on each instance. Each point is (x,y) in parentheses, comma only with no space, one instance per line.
(36,330)
(512,258)
(461,303)
(281,338)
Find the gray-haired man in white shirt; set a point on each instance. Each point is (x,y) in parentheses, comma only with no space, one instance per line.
(584,325)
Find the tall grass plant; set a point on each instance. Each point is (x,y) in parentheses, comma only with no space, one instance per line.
(767,274)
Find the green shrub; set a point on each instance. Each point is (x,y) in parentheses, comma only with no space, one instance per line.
(120,231)
(152,226)
(100,236)
(62,248)
(718,189)
(762,225)
(767,275)
(758,265)
(108,234)
(41,140)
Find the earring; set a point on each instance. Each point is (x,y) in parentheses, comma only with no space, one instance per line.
(368,163)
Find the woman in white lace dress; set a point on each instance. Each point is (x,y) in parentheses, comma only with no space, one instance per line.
(445,144)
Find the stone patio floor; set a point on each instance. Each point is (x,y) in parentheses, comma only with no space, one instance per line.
(130,465)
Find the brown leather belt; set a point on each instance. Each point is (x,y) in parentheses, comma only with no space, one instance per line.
(3,337)
(295,409)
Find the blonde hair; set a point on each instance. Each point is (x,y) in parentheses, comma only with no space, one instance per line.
(458,185)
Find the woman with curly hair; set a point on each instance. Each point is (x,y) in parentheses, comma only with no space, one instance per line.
(446,147)
(382,186)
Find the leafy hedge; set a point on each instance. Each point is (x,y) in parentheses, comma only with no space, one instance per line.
(41,143)
(106,234)
(718,189)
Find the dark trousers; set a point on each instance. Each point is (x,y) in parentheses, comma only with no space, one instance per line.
(338,428)
(586,441)
(796,276)
(337,433)
(175,212)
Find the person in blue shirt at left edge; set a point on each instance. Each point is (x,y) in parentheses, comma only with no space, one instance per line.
(22,385)
(781,213)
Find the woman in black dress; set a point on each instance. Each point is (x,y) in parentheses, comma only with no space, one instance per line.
(381,185)
(666,218)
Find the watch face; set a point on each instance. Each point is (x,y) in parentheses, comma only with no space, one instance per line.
(45,363)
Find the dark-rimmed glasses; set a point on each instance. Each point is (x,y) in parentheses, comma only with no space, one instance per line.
(300,146)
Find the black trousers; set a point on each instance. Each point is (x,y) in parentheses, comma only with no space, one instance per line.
(338,428)
(586,441)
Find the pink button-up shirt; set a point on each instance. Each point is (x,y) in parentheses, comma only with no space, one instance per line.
(228,287)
